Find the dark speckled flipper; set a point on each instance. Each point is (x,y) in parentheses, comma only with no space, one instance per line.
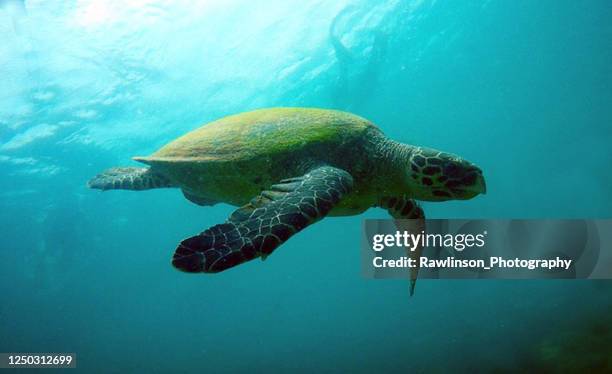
(259,227)
(129,178)
(409,217)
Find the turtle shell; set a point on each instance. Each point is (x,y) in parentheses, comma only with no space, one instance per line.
(264,132)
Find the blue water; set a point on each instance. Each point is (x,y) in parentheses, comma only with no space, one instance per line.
(522,88)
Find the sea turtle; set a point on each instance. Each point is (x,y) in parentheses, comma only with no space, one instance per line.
(287,168)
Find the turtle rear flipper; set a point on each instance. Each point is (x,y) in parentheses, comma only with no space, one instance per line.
(271,218)
(129,178)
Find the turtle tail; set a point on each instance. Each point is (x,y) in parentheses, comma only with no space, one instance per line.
(129,178)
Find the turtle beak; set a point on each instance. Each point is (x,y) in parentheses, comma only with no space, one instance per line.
(482,184)
(477,187)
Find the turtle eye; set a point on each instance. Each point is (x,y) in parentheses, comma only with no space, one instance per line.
(452,170)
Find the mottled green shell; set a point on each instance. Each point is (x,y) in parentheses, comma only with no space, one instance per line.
(264,132)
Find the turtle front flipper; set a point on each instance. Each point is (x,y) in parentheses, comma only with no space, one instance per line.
(409,217)
(129,178)
(271,218)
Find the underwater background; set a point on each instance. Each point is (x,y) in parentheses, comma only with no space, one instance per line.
(522,88)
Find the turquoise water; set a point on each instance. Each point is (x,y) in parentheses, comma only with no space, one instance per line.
(522,88)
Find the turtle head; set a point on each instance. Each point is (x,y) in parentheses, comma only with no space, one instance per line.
(439,176)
